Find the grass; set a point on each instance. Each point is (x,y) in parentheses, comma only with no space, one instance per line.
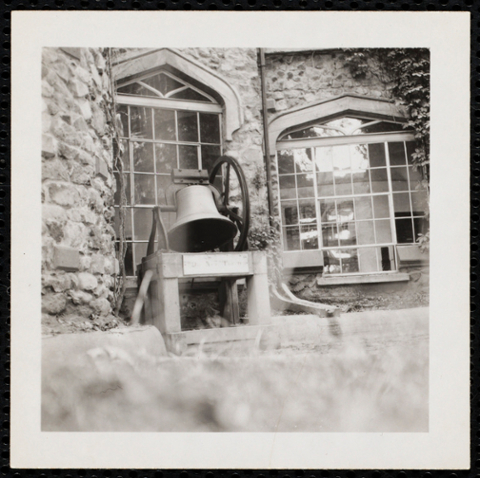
(359,382)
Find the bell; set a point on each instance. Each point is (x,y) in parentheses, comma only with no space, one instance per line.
(199,226)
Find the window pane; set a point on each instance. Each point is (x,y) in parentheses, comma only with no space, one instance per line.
(209,128)
(162,83)
(363,208)
(292,239)
(165,157)
(401,204)
(396,152)
(365,234)
(327,210)
(187,126)
(190,94)
(305,185)
(383,231)
(142,223)
(419,202)
(308,214)
(287,187)
(140,251)
(367,258)
(129,271)
(359,157)
(325,184)
(377,155)
(164,124)
(349,258)
(379,180)
(415,176)
(347,234)
(309,237)
(404,230)
(163,182)
(345,210)
(382,127)
(144,188)
(387,255)
(324,159)
(399,179)
(331,263)
(344,188)
(329,235)
(341,160)
(303,160)
(143,157)
(361,182)
(141,122)
(209,155)
(136,89)
(420,225)
(380,206)
(128,223)
(285,162)
(410,150)
(289,213)
(188,157)
(122,110)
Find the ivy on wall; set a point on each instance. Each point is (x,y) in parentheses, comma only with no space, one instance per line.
(407,72)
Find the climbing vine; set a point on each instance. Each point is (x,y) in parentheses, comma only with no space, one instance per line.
(407,72)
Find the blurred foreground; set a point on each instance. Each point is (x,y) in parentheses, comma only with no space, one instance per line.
(371,378)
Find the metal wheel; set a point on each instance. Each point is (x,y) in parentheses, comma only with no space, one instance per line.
(233,200)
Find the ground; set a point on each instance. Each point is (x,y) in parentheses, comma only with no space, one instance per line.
(371,377)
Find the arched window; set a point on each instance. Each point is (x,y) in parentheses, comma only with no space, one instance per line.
(168,123)
(348,190)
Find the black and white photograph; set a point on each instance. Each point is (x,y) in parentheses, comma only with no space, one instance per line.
(237,239)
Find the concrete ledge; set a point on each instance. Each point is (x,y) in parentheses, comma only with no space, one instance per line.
(363,279)
(60,348)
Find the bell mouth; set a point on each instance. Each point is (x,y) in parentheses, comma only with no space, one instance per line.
(201,234)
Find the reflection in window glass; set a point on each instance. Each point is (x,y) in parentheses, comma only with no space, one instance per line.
(309,237)
(164,124)
(346,234)
(329,235)
(209,128)
(307,212)
(141,122)
(365,234)
(292,238)
(187,126)
(305,185)
(399,179)
(210,154)
(401,204)
(142,157)
(367,258)
(290,214)
(165,157)
(142,224)
(144,189)
(383,231)
(396,152)
(379,180)
(380,206)
(285,162)
(377,155)
(163,182)
(327,210)
(363,207)
(187,157)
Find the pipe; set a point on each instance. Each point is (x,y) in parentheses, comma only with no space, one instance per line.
(266,143)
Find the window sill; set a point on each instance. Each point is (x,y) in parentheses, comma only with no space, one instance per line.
(363,279)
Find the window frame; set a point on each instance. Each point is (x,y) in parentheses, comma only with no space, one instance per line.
(316,256)
(170,104)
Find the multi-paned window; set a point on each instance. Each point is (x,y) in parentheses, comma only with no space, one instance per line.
(348,188)
(167,124)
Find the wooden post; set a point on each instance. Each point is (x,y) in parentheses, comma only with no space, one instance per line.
(228,294)
(257,291)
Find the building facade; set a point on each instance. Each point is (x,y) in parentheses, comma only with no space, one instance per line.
(342,185)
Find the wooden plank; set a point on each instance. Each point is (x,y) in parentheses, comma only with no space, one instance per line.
(216,264)
(224,334)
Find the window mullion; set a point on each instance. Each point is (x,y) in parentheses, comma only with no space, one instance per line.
(390,201)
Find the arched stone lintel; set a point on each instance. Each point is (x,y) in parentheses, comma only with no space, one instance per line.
(233,111)
(338,106)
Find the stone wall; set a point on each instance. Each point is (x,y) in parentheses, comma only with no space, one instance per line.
(78,260)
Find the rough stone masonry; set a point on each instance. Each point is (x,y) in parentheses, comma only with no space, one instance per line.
(78,258)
